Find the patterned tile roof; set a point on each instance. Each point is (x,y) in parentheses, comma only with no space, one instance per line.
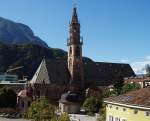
(99,73)
(136,98)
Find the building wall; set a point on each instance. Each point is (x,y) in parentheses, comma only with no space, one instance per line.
(52,92)
(69,108)
(23,104)
(125,113)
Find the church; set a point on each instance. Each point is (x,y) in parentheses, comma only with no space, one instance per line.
(55,77)
(65,81)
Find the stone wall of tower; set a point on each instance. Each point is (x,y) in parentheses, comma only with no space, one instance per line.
(75,64)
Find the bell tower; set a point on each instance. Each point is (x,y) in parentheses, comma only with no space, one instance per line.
(75,42)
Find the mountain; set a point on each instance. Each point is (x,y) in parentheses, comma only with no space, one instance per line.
(29,56)
(17,33)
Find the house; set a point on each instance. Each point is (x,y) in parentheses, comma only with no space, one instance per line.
(6,78)
(133,106)
(143,81)
(24,99)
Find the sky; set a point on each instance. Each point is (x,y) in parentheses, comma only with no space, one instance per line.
(113,30)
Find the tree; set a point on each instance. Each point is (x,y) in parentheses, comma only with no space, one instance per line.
(108,93)
(130,87)
(92,105)
(8,98)
(64,117)
(41,110)
(148,70)
(119,85)
(102,114)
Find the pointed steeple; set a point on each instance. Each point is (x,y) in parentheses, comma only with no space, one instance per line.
(74,16)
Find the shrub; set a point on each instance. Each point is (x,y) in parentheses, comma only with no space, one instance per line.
(92,105)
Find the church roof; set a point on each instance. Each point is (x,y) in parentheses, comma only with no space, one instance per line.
(98,73)
(104,73)
(51,72)
(41,75)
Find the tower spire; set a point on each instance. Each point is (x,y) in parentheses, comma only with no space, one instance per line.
(74,15)
(75,4)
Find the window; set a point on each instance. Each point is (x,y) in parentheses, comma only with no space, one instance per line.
(46,94)
(38,93)
(117,119)
(147,113)
(124,120)
(116,108)
(124,109)
(29,103)
(78,51)
(70,50)
(70,63)
(110,106)
(135,111)
(22,104)
(110,118)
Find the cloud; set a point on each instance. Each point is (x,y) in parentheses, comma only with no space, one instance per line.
(147,57)
(124,61)
(139,67)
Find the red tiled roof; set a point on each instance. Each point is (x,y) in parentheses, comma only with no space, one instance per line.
(139,98)
(137,79)
(24,94)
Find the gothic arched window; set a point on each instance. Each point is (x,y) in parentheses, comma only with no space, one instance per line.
(70,51)
(77,51)
(70,63)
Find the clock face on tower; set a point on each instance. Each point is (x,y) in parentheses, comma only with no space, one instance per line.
(74,30)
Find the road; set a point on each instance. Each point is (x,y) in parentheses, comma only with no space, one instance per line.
(7,119)
(73,117)
(78,117)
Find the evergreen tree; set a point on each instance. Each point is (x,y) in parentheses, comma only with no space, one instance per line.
(119,85)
